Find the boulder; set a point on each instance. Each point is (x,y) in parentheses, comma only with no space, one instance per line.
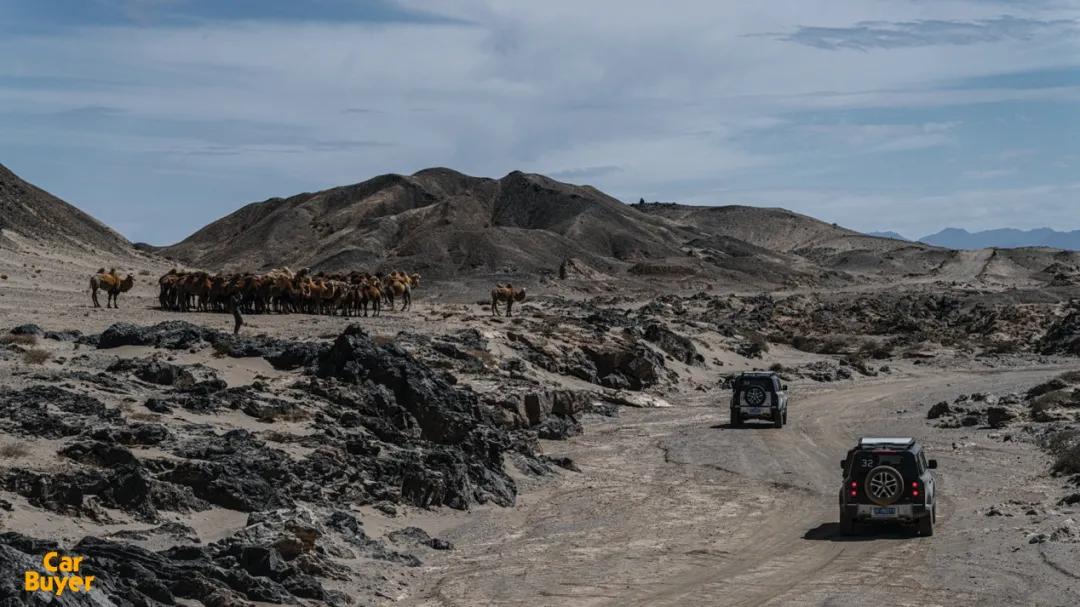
(999,417)
(938,410)
(28,329)
(171,334)
(680,347)
(538,406)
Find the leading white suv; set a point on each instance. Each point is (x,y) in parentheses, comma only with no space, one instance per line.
(888,480)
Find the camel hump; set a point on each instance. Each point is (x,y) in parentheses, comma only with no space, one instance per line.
(101,270)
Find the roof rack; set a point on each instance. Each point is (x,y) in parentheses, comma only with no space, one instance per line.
(867,441)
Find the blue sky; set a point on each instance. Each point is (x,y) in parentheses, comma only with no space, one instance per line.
(158,116)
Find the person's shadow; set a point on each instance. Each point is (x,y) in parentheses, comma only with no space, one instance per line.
(830,532)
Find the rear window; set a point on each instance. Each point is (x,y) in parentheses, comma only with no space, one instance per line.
(765,383)
(864,461)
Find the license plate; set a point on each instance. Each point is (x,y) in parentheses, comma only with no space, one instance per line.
(755,410)
(883,512)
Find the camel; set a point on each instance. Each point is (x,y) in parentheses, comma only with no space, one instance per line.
(507,294)
(111,283)
(167,283)
(371,293)
(283,291)
(398,288)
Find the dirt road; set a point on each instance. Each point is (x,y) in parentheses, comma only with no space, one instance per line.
(673,507)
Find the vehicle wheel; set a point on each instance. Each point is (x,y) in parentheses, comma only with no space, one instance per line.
(847,526)
(778,420)
(926,525)
(736,419)
(785,417)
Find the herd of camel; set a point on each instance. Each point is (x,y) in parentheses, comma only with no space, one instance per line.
(283,291)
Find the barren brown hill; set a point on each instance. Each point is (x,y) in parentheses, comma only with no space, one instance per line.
(445,224)
(832,247)
(31,216)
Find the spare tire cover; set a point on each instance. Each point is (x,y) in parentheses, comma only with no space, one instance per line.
(754,396)
(884,485)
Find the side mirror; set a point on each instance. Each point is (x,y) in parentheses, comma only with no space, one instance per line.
(933,464)
(843,464)
(783,388)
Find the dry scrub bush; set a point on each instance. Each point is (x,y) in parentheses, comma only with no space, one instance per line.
(14,450)
(1065,447)
(755,346)
(22,340)
(820,345)
(36,356)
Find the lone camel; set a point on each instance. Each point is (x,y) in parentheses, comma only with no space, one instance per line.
(113,286)
(507,294)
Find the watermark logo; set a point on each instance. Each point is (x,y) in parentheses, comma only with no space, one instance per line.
(62,575)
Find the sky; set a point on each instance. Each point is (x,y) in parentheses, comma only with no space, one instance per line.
(159,116)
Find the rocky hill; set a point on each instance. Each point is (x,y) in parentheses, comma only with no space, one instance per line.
(448,225)
(451,226)
(832,248)
(437,221)
(30,216)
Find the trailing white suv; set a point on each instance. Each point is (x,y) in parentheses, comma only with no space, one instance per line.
(758,395)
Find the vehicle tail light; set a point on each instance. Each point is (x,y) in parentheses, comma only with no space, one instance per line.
(914,488)
(854,489)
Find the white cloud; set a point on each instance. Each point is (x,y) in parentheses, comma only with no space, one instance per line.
(664,98)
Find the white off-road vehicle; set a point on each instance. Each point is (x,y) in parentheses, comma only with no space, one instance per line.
(758,395)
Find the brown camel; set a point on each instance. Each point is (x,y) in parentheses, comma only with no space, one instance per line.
(399,288)
(507,294)
(112,284)
(370,292)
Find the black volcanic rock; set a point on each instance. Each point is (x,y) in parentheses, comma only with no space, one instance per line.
(171,334)
(678,346)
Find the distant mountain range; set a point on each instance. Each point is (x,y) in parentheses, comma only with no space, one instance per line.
(956,238)
(1007,238)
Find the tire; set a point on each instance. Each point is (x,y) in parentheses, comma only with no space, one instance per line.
(884,485)
(847,526)
(926,525)
(736,419)
(778,420)
(755,396)
(785,417)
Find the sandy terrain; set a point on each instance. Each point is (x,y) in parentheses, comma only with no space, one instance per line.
(671,506)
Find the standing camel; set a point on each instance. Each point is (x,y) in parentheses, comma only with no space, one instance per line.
(113,286)
(507,294)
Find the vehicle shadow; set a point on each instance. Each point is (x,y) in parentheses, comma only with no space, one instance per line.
(830,532)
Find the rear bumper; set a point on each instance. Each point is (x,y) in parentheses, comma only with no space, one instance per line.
(905,513)
(757,412)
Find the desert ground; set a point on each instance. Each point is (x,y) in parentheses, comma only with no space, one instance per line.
(639,494)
